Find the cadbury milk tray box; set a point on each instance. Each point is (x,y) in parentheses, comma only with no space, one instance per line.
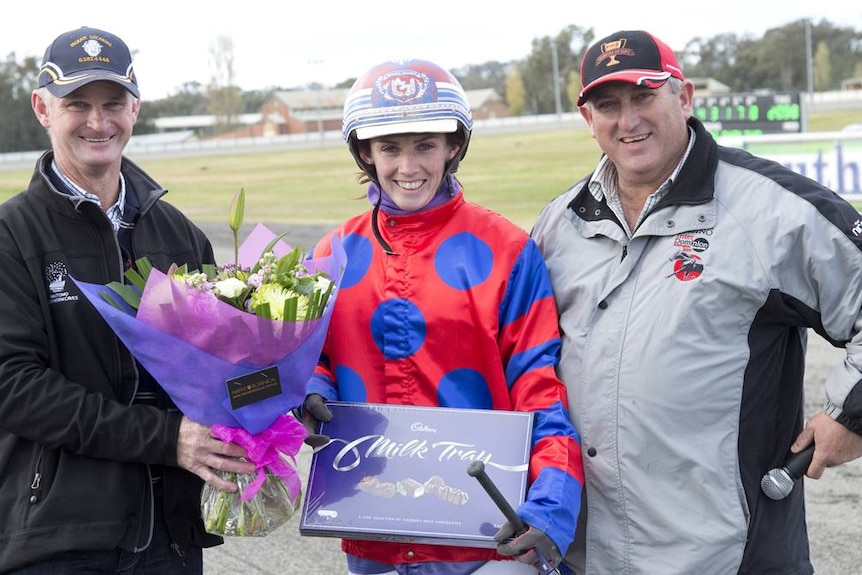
(399,473)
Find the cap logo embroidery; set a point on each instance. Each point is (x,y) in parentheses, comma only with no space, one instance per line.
(610,51)
(92,47)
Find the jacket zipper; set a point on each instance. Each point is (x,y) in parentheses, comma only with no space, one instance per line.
(36,484)
(180,553)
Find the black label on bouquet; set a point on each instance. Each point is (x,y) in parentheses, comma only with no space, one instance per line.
(253,387)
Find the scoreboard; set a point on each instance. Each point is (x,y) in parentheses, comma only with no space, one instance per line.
(747,114)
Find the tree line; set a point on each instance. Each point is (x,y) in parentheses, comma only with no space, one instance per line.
(546,81)
(776,61)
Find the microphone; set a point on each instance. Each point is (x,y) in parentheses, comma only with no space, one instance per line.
(778,482)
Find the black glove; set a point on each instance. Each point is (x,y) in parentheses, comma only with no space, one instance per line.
(311,413)
(524,546)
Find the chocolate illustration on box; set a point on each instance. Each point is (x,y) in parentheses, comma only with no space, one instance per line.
(399,473)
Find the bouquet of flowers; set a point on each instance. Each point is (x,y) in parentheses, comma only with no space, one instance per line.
(234,346)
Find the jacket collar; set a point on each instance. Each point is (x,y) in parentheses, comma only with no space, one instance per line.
(138,182)
(695,183)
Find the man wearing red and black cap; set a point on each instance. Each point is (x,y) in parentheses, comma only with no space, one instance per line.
(99,472)
(634,57)
(687,276)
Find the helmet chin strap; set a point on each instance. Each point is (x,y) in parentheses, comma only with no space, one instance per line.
(376,229)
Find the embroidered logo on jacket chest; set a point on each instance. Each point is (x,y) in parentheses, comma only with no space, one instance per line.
(687,260)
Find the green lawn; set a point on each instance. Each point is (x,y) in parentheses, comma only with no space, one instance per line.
(515,174)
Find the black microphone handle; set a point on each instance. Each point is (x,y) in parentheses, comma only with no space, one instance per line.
(797,464)
(477,470)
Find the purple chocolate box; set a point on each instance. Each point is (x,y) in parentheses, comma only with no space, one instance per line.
(399,473)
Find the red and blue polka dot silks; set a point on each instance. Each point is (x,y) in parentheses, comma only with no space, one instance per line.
(463,316)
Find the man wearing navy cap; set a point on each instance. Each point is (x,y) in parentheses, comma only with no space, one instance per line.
(687,276)
(99,472)
(85,55)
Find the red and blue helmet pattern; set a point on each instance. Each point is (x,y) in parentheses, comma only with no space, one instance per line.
(398,93)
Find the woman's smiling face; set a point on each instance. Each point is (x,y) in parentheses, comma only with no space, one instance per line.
(410,167)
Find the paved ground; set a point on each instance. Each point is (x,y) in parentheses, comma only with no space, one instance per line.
(834,502)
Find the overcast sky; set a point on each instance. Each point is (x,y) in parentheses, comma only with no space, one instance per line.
(293,43)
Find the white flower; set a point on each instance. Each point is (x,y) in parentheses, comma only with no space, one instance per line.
(230,287)
(322,284)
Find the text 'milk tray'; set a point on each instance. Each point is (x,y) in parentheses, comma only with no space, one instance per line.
(399,473)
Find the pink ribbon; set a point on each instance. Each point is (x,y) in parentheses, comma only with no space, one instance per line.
(285,436)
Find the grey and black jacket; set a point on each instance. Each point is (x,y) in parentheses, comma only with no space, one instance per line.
(684,355)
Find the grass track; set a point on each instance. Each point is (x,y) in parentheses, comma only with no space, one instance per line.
(514,173)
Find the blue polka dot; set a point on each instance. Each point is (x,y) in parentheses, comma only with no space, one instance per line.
(350,384)
(398,328)
(464,388)
(463,261)
(359,251)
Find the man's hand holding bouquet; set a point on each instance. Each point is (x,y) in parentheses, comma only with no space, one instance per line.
(234,346)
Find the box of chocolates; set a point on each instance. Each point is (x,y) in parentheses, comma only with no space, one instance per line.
(399,473)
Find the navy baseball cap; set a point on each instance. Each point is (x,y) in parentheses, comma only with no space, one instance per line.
(86,55)
(632,56)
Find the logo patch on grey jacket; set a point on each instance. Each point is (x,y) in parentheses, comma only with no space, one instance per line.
(686,266)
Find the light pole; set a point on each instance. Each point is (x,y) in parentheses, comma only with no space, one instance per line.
(319,115)
(318,102)
(809,68)
(554,61)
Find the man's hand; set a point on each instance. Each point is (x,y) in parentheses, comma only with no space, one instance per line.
(312,412)
(523,547)
(202,454)
(834,444)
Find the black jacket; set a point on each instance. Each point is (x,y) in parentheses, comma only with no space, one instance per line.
(73,450)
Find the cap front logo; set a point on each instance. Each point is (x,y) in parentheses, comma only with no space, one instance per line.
(610,51)
(92,48)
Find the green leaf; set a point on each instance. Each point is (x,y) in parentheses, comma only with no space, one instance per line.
(262,310)
(314,306)
(144,267)
(324,298)
(210,271)
(291,305)
(135,278)
(305,285)
(130,295)
(268,248)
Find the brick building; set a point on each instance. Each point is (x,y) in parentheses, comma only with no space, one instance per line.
(306,111)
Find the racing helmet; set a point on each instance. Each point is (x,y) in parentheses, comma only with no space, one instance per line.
(404,97)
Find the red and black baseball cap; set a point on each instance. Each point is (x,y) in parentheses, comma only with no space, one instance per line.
(85,55)
(632,56)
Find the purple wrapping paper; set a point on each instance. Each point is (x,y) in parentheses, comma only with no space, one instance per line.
(192,343)
(399,473)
